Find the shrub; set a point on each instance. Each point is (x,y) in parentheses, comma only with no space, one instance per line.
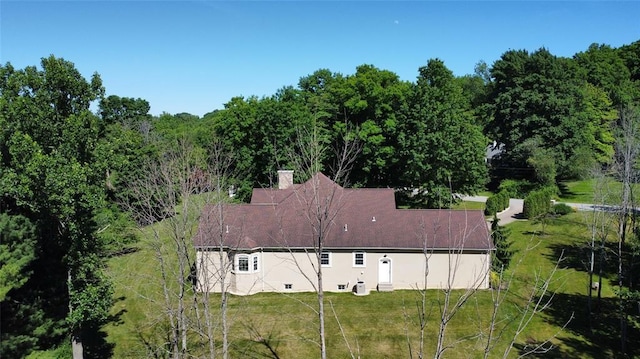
(494,280)
(515,188)
(562,209)
(538,202)
(496,203)
(504,196)
(491,207)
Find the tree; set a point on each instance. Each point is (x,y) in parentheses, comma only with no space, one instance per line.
(219,173)
(125,142)
(630,55)
(372,102)
(442,150)
(166,192)
(320,204)
(501,257)
(538,97)
(48,138)
(17,242)
(600,224)
(604,68)
(125,110)
(260,132)
(627,154)
(544,165)
(170,199)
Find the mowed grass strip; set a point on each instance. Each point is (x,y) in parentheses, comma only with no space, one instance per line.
(382,325)
(468,206)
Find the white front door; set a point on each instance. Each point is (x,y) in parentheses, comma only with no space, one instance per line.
(384,270)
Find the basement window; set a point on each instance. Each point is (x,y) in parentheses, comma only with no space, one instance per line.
(342,286)
(288,286)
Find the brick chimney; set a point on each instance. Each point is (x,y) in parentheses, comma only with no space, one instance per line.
(285,179)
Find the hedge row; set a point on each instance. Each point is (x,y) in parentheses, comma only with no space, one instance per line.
(496,203)
(538,202)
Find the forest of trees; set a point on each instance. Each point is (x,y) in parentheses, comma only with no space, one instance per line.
(65,170)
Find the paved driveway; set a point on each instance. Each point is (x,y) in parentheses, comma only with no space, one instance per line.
(514,212)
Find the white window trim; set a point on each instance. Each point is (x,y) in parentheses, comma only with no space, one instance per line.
(329,257)
(364,259)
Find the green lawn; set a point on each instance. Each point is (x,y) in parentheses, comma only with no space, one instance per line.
(607,190)
(385,325)
(466,205)
(577,191)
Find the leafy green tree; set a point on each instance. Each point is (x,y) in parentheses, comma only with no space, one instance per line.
(538,97)
(544,165)
(604,68)
(48,138)
(372,104)
(126,139)
(124,110)
(17,241)
(442,150)
(600,117)
(260,132)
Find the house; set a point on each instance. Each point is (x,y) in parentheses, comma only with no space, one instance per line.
(493,151)
(269,244)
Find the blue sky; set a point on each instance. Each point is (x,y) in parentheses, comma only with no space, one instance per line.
(194,56)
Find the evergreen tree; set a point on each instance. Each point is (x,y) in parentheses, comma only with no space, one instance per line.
(503,253)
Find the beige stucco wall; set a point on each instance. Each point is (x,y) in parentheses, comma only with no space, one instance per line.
(446,270)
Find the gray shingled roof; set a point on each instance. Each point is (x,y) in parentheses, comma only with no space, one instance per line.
(351,218)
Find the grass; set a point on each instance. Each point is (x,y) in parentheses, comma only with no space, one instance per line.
(583,191)
(466,205)
(577,191)
(384,325)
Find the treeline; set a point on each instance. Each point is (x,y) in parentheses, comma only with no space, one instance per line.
(65,170)
(411,135)
(552,118)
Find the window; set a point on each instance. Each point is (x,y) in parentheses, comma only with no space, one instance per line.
(342,286)
(288,286)
(359,259)
(325,259)
(243,263)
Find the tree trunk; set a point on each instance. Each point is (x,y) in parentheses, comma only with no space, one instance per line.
(323,345)
(76,344)
(591,267)
(225,325)
(623,314)
(600,274)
